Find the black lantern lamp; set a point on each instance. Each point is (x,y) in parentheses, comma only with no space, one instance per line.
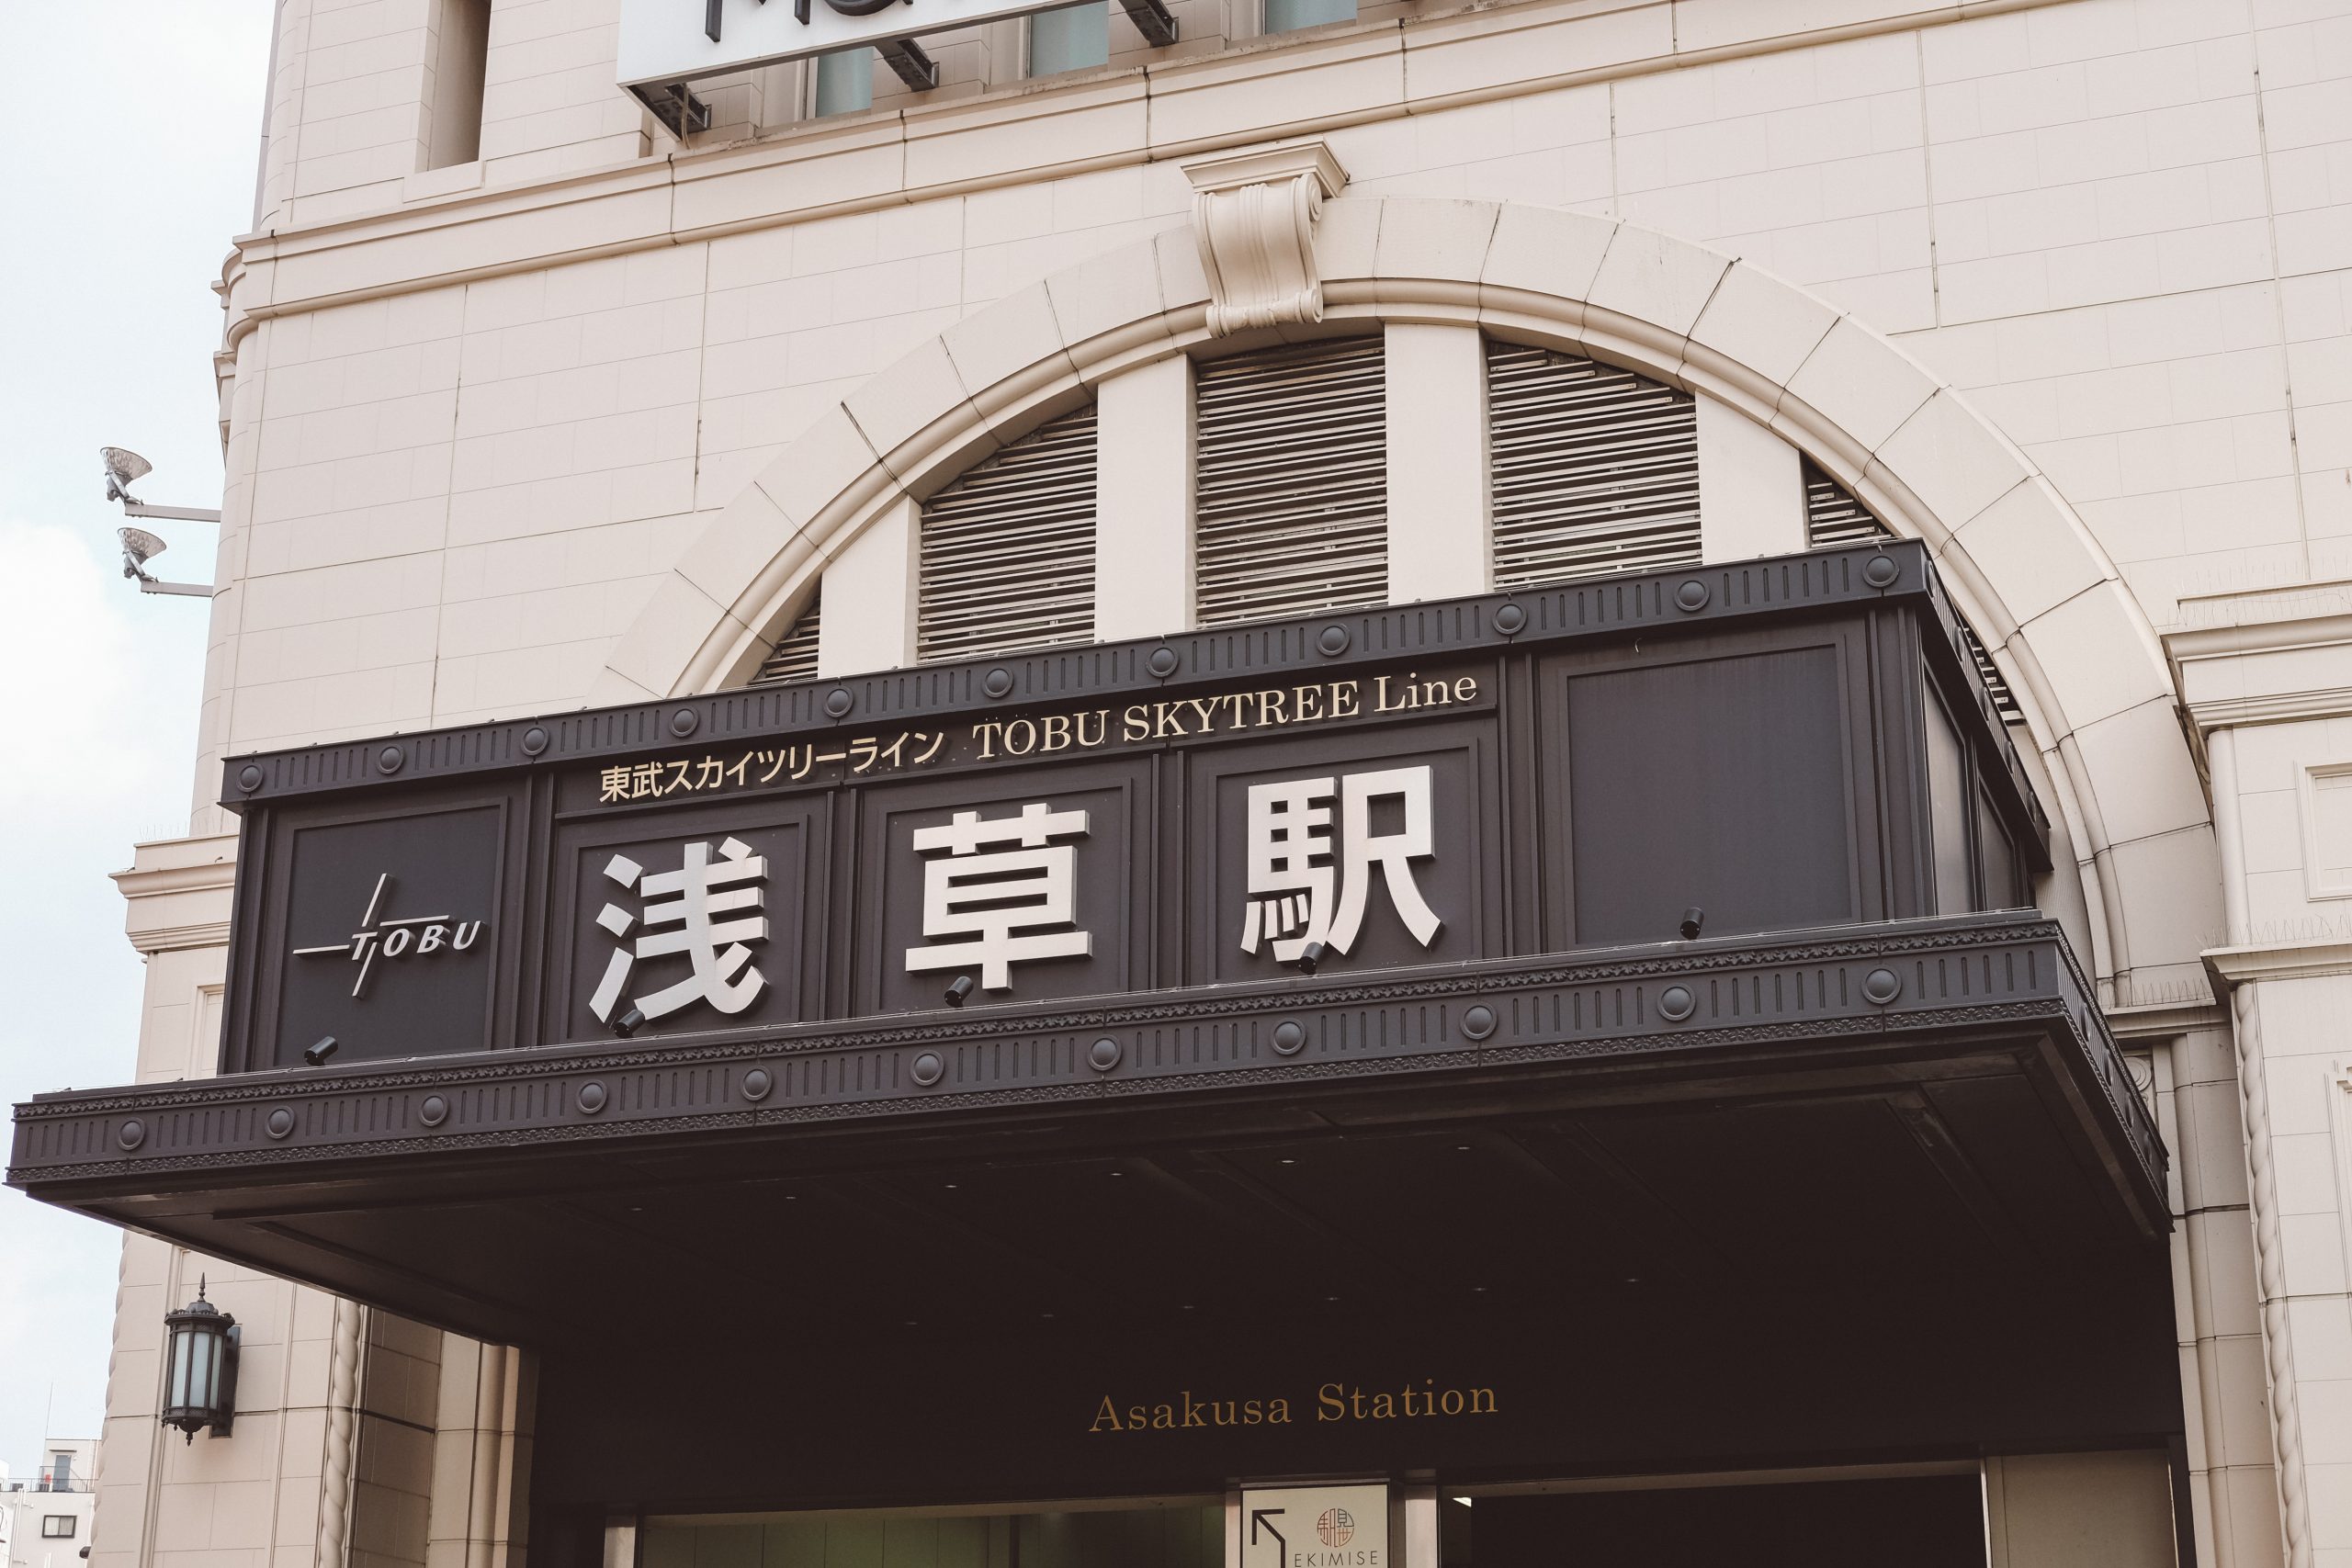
(200,1368)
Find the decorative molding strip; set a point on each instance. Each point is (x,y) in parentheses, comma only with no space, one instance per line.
(2270,1281)
(2232,966)
(178,891)
(690,194)
(1866,985)
(342,1436)
(2163,1020)
(1596,608)
(1254,217)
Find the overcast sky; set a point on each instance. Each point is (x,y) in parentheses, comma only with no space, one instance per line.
(138,124)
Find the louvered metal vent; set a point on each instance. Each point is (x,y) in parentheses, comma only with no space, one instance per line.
(1596,469)
(794,656)
(1008,549)
(1834,517)
(1293,476)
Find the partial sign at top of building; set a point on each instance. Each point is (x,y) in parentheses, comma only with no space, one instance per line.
(665,41)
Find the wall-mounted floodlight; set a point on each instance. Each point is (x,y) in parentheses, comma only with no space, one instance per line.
(138,546)
(124,466)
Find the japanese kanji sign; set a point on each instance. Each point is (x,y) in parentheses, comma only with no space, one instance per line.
(1003,893)
(706,911)
(1295,860)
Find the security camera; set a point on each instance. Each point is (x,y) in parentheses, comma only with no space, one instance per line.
(317,1055)
(122,467)
(139,547)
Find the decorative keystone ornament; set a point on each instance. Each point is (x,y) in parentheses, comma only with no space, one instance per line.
(1254,217)
(201,1368)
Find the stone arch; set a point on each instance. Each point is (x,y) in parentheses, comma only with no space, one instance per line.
(2079,653)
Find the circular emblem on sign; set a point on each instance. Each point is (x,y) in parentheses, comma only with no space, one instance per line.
(997,682)
(1676,1003)
(1691,595)
(592,1097)
(756,1084)
(1332,640)
(390,758)
(131,1134)
(929,1070)
(1510,620)
(1882,985)
(433,1111)
(1289,1037)
(281,1122)
(1162,661)
(534,741)
(837,702)
(1335,1526)
(1882,571)
(1103,1055)
(1479,1023)
(684,722)
(249,777)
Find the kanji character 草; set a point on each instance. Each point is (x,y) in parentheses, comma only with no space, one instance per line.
(989,908)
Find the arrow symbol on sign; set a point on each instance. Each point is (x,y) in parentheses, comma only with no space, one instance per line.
(1265,1516)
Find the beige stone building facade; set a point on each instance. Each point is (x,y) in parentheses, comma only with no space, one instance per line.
(530,404)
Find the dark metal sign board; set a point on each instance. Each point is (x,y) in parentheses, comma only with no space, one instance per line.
(1777,744)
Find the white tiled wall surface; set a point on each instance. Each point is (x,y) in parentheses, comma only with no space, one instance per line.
(2123,228)
(460,497)
(549,106)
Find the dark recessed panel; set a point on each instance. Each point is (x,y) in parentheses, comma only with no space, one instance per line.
(1382,844)
(1720,782)
(1032,885)
(727,953)
(390,933)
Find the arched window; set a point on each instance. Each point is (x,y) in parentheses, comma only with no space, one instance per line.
(794,658)
(1595,469)
(1008,549)
(1291,466)
(1835,517)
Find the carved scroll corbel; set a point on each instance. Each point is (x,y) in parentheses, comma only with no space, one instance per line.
(1253,217)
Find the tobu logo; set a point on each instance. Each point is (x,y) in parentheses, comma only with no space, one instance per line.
(1335,1526)
(381,936)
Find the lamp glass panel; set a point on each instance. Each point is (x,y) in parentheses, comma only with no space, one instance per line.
(175,1383)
